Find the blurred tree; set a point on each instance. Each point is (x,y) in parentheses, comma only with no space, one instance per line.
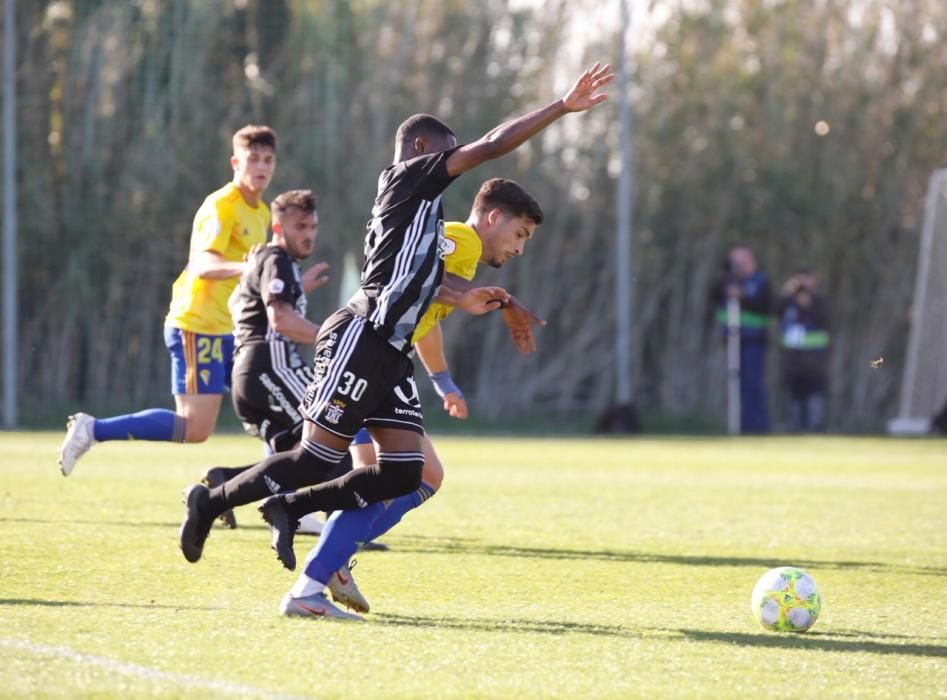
(804,128)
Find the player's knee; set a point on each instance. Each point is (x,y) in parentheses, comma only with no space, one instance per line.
(433,473)
(401,471)
(197,433)
(198,426)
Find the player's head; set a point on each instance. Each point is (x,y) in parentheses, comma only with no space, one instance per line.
(295,222)
(254,157)
(420,134)
(504,216)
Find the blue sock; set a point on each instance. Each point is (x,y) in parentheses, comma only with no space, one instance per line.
(340,537)
(393,513)
(345,530)
(152,424)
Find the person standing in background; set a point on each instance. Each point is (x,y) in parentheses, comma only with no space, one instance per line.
(745,282)
(804,337)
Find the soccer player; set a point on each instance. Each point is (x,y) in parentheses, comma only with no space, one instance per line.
(363,372)
(269,310)
(501,221)
(198,328)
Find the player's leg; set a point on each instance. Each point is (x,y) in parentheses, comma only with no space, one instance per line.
(199,375)
(346,530)
(343,360)
(362,452)
(398,471)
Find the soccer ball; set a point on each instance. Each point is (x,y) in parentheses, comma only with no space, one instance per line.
(786,599)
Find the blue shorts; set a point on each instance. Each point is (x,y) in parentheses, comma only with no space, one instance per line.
(200,364)
(362,437)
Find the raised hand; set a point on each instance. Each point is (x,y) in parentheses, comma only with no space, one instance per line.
(481,300)
(313,277)
(520,321)
(582,95)
(455,405)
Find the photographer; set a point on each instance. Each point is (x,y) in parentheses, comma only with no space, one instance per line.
(805,349)
(743,281)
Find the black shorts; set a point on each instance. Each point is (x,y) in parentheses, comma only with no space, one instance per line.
(266,393)
(360,378)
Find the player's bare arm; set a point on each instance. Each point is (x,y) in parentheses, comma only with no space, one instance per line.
(314,277)
(211,265)
(430,349)
(285,321)
(509,135)
(462,294)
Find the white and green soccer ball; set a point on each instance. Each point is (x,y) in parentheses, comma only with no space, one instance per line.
(786,599)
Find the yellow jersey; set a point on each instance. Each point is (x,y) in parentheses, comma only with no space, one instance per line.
(226,224)
(463,251)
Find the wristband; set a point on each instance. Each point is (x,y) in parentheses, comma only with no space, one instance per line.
(443,384)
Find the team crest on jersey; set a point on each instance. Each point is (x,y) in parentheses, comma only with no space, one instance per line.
(276,286)
(334,412)
(205,376)
(445,246)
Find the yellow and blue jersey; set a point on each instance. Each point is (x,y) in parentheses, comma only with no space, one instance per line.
(463,251)
(226,224)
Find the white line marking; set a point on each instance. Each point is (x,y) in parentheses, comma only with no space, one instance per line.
(140,671)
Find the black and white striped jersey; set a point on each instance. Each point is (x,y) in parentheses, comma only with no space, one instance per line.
(404,247)
(271,274)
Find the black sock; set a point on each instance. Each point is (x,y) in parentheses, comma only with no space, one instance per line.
(308,464)
(230,472)
(396,474)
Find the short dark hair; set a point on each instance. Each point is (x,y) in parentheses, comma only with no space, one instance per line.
(421,125)
(254,135)
(509,197)
(304,200)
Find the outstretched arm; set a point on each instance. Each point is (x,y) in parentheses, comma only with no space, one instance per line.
(506,137)
(458,292)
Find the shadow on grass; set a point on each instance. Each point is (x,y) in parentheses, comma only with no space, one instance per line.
(818,641)
(822,642)
(70,521)
(465,546)
(482,625)
(91,604)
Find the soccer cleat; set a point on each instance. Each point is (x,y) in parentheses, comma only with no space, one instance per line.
(80,436)
(196,526)
(274,512)
(343,589)
(309,524)
(317,606)
(213,478)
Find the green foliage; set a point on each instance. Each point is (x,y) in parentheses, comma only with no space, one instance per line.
(544,568)
(126,109)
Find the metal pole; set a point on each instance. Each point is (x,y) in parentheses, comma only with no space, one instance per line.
(623,253)
(733,366)
(9,214)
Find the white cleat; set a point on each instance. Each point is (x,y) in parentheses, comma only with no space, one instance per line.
(317,606)
(343,589)
(79,438)
(309,524)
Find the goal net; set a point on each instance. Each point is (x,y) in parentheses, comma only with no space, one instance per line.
(924,385)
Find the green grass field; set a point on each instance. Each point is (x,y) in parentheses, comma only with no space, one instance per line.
(559,568)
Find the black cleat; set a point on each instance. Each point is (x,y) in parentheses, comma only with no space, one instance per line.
(196,525)
(274,512)
(213,478)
